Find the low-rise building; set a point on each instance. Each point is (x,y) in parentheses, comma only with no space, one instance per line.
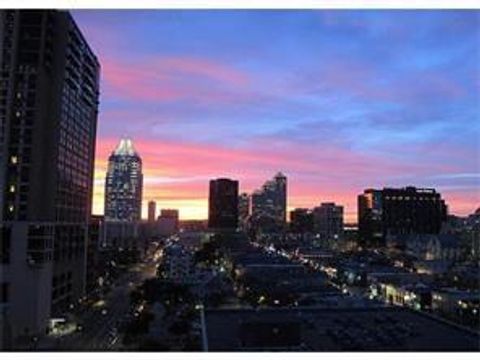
(428,246)
(330,329)
(177,265)
(456,303)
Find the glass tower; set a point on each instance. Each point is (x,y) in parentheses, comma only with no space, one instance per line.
(124,184)
(271,200)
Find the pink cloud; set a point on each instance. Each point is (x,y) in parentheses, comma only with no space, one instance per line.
(332,174)
(167,78)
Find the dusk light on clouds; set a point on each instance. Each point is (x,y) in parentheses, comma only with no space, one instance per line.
(339,101)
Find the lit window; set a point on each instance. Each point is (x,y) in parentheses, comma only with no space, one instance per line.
(11,208)
(13,159)
(17,114)
(12,188)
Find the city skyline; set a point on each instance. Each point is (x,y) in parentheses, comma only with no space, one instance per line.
(280,118)
(339,101)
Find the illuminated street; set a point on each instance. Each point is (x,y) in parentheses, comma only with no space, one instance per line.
(99,323)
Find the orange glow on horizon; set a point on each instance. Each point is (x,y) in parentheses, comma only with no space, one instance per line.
(168,179)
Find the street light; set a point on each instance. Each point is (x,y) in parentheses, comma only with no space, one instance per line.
(201,308)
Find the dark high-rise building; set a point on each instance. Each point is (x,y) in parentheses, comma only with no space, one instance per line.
(124,184)
(243,207)
(399,211)
(370,220)
(48,108)
(49,89)
(301,220)
(271,200)
(223,204)
(152,209)
(328,221)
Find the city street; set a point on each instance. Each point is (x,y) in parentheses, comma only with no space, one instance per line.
(99,323)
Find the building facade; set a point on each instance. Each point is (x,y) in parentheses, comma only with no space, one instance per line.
(271,200)
(124,184)
(328,221)
(223,204)
(152,210)
(168,222)
(407,210)
(49,90)
(301,220)
(177,265)
(243,208)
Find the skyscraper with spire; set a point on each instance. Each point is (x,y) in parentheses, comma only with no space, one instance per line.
(124,184)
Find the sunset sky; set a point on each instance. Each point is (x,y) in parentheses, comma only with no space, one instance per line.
(337,100)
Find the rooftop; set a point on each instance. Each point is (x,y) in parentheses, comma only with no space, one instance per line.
(327,329)
(125,147)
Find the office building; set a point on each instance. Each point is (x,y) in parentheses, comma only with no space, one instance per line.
(169,213)
(243,208)
(271,200)
(124,184)
(406,210)
(49,89)
(177,265)
(152,209)
(328,221)
(167,222)
(223,204)
(301,220)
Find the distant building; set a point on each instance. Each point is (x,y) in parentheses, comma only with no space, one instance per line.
(350,237)
(328,221)
(167,222)
(128,240)
(48,114)
(468,229)
(193,225)
(301,220)
(177,265)
(399,211)
(461,305)
(152,209)
(243,207)
(271,199)
(223,204)
(124,184)
(472,234)
(428,246)
(169,213)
